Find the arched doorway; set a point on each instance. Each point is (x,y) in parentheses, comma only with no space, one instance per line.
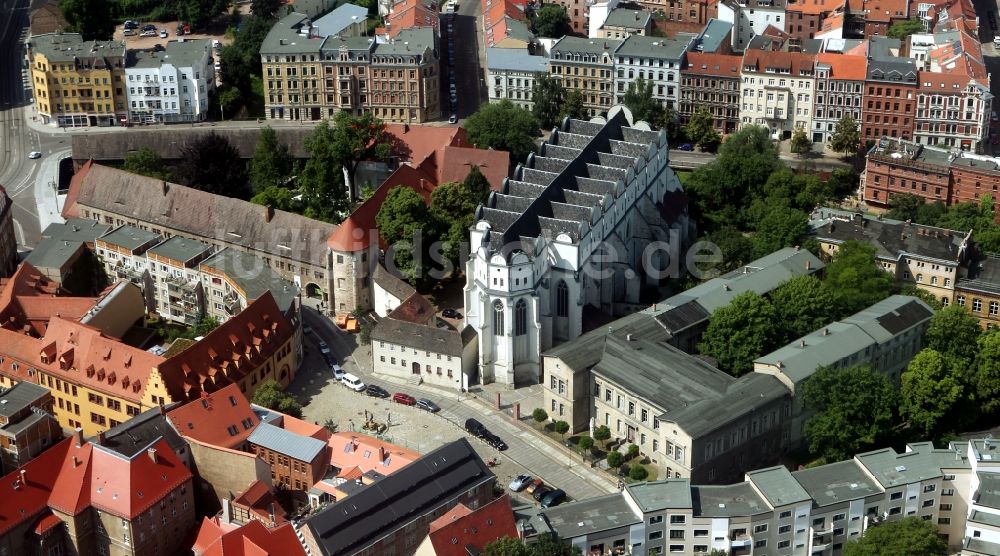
(416,368)
(314,291)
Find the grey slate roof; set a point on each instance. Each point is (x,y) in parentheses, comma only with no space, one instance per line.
(666,494)
(135,435)
(423,337)
(749,392)
(714,35)
(412,41)
(253,276)
(382,508)
(61,241)
(186,54)
(629,19)
(339,19)
(129,237)
(985,518)
(593,515)
(180,249)
(17,398)
(777,486)
(70,47)
(836,483)
(284,37)
(515,59)
(891,238)
(653,47)
(891,469)
(295,446)
(973,545)
(392,283)
(573,45)
(734,500)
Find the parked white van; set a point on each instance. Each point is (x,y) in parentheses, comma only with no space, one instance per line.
(352,382)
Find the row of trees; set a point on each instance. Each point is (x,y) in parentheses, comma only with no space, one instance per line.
(209,163)
(95,19)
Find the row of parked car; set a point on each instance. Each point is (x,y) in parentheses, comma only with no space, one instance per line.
(545,495)
(477,429)
(452,86)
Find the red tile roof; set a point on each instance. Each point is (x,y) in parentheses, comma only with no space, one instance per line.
(814,6)
(260,501)
(452,533)
(964,57)
(29,299)
(414,309)
(453,164)
(843,66)
(211,417)
(414,143)
(793,62)
(719,65)
(127,488)
(46,523)
(229,352)
(252,539)
(881,11)
(347,452)
(304,428)
(410,13)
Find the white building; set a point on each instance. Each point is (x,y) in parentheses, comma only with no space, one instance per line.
(511,74)
(656,60)
(777,91)
(598,14)
(840,83)
(568,230)
(172,85)
(751,17)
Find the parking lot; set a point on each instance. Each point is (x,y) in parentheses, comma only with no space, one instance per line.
(145,43)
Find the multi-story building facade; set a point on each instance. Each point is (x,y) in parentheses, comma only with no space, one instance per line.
(840,82)
(297,461)
(123,253)
(511,75)
(711,81)
(930,258)
(952,110)
(694,12)
(78,83)
(890,93)
(804,18)
(309,77)
(170,86)
(655,60)
(973,176)
(899,166)
(8,241)
(751,17)
(579,14)
(173,270)
(778,91)
(554,201)
(27,427)
(622,23)
(979,291)
(873,18)
(231,280)
(587,67)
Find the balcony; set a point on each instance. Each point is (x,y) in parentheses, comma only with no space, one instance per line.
(740,541)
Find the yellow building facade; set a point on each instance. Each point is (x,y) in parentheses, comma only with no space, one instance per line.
(78,83)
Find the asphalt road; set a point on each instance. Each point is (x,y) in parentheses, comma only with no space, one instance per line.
(470,58)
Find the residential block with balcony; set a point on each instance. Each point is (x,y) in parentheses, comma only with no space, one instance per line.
(170,86)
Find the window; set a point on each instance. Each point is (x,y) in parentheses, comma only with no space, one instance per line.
(520,318)
(927,503)
(498,317)
(760,529)
(945,507)
(655,535)
(977,305)
(930,488)
(656,519)
(839,517)
(677,534)
(698,533)
(784,529)
(947,492)
(785,515)
(895,496)
(678,520)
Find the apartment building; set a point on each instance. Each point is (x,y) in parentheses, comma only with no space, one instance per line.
(930,258)
(622,23)
(711,81)
(511,75)
(173,271)
(840,83)
(172,85)
(587,67)
(579,15)
(655,60)
(123,254)
(885,336)
(80,497)
(406,502)
(27,427)
(515,320)
(900,166)
(297,461)
(871,18)
(8,241)
(78,83)
(973,176)
(310,77)
(979,291)
(805,17)
(890,96)
(750,18)
(778,91)
(776,512)
(476,528)
(952,110)
(232,279)
(692,12)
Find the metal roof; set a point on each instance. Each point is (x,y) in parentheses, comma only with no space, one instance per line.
(836,483)
(180,248)
(295,446)
(339,19)
(777,486)
(667,494)
(593,515)
(129,237)
(18,397)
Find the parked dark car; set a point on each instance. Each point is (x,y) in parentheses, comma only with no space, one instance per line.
(427,405)
(376,391)
(494,441)
(451,314)
(686,147)
(475,428)
(553,498)
(540,493)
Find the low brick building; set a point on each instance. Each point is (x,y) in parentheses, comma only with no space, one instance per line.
(297,462)
(27,426)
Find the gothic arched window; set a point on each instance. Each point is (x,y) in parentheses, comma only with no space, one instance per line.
(520,318)
(498,318)
(562,299)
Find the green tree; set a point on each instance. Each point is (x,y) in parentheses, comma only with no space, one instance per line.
(638,473)
(800,144)
(230,99)
(586,443)
(561,427)
(987,372)
(279,198)
(640,101)
(802,304)
(266,8)
(700,128)
(931,388)
(846,136)
(615,460)
(89,18)
(504,127)
(737,249)
(552,21)
(270,395)
(843,182)
(855,279)
(854,410)
(909,536)
(548,96)
(633,451)
(358,138)
(904,206)
(780,227)
(403,220)
(953,332)
(902,29)
(453,207)
(507,546)
(271,164)
(539,415)
(602,433)
(740,332)
(548,544)
(321,181)
(211,163)
(572,107)
(204,326)
(146,162)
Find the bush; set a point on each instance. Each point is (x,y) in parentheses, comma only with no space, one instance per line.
(539,415)
(633,451)
(562,427)
(602,433)
(615,460)
(585,443)
(638,473)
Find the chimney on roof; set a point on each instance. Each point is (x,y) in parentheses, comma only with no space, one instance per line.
(654,306)
(78,435)
(381,453)
(268,213)
(406,128)
(270,513)
(629,337)
(162,410)
(826,331)
(76,462)
(165,188)
(802,343)
(152,454)
(809,265)
(24,481)
(100,439)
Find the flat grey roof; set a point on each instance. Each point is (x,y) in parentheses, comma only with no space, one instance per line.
(778,486)
(182,53)
(412,41)
(70,47)
(836,482)
(295,446)
(253,275)
(20,396)
(985,518)
(653,47)
(891,469)
(585,46)
(61,241)
(629,19)
(592,515)
(980,546)
(714,35)
(180,248)
(129,237)
(734,500)
(661,495)
(339,19)
(284,37)
(515,59)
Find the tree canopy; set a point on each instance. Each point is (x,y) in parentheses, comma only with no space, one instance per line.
(211,163)
(800,143)
(781,226)
(552,21)
(701,131)
(548,96)
(740,332)
(953,332)
(358,138)
(640,101)
(802,304)
(846,136)
(321,182)
(931,387)
(907,537)
(573,107)
(147,162)
(902,29)
(270,395)
(504,127)
(854,410)
(547,544)
(89,18)
(271,164)
(266,8)
(855,279)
